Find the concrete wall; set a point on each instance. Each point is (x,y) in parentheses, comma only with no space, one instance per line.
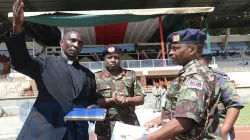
(244,94)
(18,106)
(21,107)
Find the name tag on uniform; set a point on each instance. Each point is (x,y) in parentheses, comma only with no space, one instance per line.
(196,84)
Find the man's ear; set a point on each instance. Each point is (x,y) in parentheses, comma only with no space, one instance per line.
(193,49)
(61,42)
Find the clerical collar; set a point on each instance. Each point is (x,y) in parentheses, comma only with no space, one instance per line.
(70,62)
(61,58)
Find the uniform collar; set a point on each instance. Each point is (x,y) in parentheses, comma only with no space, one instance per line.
(107,74)
(193,62)
(190,66)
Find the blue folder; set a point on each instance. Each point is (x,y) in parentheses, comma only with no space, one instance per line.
(85,114)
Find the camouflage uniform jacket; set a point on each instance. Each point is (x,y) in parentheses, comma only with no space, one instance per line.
(229,97)
(126,83)
(194,94)
(157,92)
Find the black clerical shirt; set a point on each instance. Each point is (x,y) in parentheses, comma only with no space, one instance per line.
(76,74)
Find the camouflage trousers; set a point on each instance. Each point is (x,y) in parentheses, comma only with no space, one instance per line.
(104,129)
(158,103)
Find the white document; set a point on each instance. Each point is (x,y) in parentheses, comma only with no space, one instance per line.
(228,135)
(129,132)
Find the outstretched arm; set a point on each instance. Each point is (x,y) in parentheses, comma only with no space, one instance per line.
(15,41)
(18,15)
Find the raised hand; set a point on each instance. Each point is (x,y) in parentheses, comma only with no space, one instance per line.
(18,15)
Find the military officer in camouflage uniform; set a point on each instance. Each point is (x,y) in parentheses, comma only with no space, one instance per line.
(157,92)
(229,104)
(191,102)
(119,92)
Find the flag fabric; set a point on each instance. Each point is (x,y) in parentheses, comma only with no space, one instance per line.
(124,33)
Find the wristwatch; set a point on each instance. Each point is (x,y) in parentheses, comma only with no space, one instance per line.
(144,137)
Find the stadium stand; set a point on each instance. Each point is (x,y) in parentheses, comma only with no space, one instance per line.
(237,46)
(247,53)
(15,89)
(4,65)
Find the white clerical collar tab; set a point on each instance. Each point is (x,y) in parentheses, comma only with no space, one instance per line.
(70,62)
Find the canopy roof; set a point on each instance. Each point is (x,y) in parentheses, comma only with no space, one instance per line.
(123,33)
(103,27)
(104,17)
(233,14)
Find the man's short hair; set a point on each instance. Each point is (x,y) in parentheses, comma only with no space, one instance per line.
(66,34)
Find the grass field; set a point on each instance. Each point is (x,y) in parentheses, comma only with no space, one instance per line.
(244,117)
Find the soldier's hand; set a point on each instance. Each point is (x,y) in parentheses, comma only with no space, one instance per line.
(150,124)
(120,99)
(18,15)
(118,93)
(93,106)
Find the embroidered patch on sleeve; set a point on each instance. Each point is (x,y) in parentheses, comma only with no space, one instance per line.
(226,78)
(197,84)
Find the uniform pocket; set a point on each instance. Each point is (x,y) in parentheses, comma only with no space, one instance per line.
(128,85)
(104,90)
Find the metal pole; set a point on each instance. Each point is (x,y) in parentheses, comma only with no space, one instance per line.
(33,45)
(13,75)
(162,42)
(137,50)
(208,37)
(167,44)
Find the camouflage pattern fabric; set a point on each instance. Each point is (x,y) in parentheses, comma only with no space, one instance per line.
(107,85)
(157,92)
(229,98)
(194,94)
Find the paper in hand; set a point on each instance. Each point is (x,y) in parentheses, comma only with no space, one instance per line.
(129,132)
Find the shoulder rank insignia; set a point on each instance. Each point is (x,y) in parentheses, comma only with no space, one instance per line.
(106,74)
